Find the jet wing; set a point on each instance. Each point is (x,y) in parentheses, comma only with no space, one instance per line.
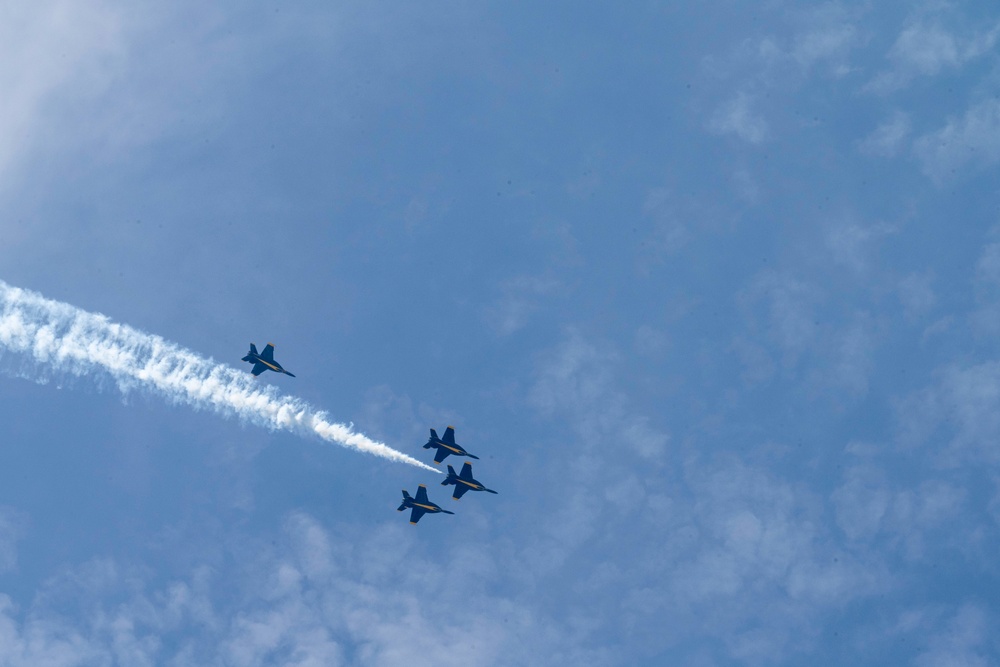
(416,513)
(258,368)
(422,495)
(449,436)
(466,471)
(460,490)
(442,453)
(268,353)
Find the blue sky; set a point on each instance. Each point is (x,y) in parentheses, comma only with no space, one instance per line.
(713,292)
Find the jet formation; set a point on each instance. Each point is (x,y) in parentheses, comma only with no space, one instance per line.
(463,481)
(445,447)
(263,361)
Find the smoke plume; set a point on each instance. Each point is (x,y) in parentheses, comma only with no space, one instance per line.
(66,339)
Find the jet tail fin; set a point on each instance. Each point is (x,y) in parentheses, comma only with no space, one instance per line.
(253,349)
(401,507)
(434,435)
(451,471)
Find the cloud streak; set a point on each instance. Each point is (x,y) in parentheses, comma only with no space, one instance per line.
(66,339)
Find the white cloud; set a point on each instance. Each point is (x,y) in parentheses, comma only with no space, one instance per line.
(313,602)
(733,533)
(831,41)
(961,408)
(650,342)
(973,138)
(50,48)
(925,48)
(861,502)
(673,221)
(853,245)
(986,318)
(972,397)
(739,117)
(760,540)
(888,139)
(916,295)
(853,353)
(788,313)
(785,323)
(13,525)
(577,379)
(964,641)
(521,297)
(758,366)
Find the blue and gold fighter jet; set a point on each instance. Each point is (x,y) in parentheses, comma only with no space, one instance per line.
(446,445)
(464,481)
(264,361)
(420,505)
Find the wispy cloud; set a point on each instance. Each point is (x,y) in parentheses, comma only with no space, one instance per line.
(785,319)
(63,339)
(961,408)
(853,245)
(48,47)
(973,138)
(520,299)
(12,524)
(925,48)
(739,117)
(968,638)
(888,139)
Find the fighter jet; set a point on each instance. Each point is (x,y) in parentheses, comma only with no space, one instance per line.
(464,482)
(446,445)
(263,361)
(419,506)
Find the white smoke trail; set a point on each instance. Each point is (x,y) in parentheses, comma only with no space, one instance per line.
(68,339)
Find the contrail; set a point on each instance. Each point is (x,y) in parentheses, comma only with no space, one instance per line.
(68,339)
